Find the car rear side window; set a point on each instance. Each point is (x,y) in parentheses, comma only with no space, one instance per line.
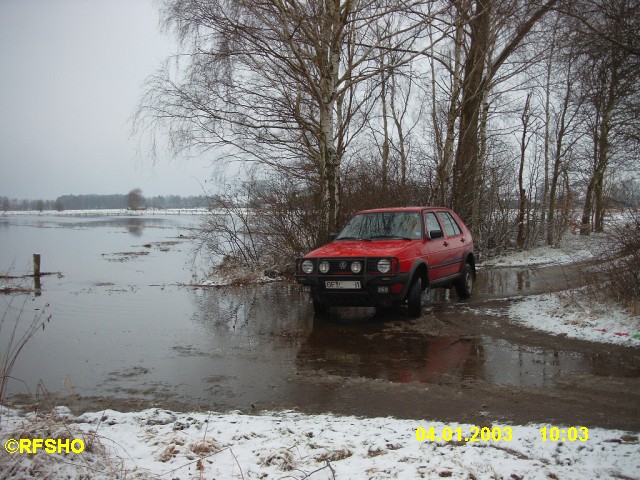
(450,225)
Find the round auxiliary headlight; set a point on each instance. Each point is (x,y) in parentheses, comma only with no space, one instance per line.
(324,266)
(356,267)
(307,266)
(384,265)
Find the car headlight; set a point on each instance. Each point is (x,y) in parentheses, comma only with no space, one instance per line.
(323,266)
(356,267)
(307,266)
(384,265)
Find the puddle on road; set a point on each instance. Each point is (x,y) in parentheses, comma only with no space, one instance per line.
(505,282)
(261,345)
(396,351)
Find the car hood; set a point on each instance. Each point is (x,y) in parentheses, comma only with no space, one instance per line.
(362,248)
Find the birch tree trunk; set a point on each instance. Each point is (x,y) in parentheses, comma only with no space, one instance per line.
(445,154)
(606,99)
(522,201)
(552,230)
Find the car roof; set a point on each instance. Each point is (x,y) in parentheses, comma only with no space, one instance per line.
(400,209)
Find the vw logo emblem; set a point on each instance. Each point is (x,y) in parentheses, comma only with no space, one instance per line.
(343,265)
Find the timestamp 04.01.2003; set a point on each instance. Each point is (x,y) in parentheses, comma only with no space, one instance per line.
(497,434)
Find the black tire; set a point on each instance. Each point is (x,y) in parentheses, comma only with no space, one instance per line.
(319,308)
(414,299)
(464,285)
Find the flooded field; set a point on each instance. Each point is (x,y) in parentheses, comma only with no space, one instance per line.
(125,330)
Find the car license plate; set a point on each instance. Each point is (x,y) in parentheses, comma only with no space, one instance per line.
(342,284)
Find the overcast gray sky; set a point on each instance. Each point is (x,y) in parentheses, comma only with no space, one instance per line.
(71,75)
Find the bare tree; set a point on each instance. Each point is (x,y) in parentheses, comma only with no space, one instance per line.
(135,200)
(522,193)
(399,102)
(390,122)
(285,83)
(596,16)
(608,78)
(564,120)
(480,69)
(444,131)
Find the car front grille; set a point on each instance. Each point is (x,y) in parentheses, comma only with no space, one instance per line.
(342,266)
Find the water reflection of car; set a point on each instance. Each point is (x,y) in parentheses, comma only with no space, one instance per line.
(387,257)
(349,350)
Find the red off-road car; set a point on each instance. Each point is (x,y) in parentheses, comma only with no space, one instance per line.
(387,257)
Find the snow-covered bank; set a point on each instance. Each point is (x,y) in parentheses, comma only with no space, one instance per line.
(117,212)
(569,314)
(572,248)
(162,444)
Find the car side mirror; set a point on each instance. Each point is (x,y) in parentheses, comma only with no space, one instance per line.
(332,236)
(433,234)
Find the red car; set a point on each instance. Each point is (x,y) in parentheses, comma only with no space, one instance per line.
(389,256)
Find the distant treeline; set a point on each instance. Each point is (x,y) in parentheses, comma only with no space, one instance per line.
(101,202)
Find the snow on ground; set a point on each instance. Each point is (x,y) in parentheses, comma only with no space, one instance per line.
(572,248)
(570,314)
(162,444)
(109,212)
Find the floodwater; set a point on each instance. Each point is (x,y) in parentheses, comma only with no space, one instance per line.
(124,325)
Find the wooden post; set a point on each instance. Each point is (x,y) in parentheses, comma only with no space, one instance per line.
(36,274)
(36,265)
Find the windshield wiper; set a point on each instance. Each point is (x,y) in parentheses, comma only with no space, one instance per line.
(390,236)
(353,238)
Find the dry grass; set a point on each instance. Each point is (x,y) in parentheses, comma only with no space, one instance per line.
(15,335)
(96,461)
(206,446)
(281,458)
(624,273)
(616,277)
(334,455)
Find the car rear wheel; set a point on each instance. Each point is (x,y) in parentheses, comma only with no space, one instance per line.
(464,286)
(414,299)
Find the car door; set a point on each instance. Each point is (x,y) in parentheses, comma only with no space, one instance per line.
(454,244)
(436,245)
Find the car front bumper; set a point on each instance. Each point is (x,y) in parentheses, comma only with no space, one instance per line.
(374,291)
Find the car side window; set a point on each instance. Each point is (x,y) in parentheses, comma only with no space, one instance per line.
(432,223)
(450,225)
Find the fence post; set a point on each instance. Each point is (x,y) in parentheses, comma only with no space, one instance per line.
(36,273)
(36,264)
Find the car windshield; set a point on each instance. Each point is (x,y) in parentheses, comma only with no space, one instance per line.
(383,225)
